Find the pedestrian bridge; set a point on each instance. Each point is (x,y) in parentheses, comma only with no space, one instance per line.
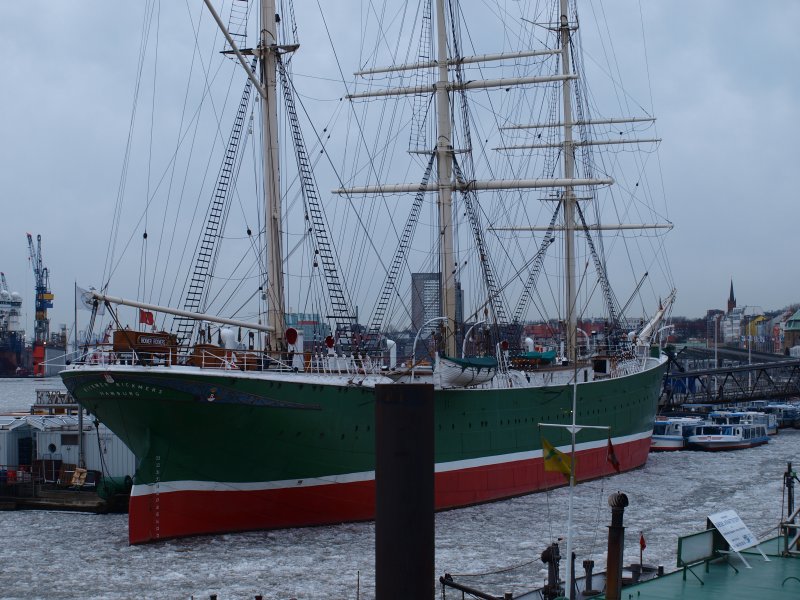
(736,381)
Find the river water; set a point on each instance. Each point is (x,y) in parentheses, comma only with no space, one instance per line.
(47,554)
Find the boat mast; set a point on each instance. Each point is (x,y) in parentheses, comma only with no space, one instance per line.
(268,46)
(570,298)
(445,185)
(444,162)
(268,90)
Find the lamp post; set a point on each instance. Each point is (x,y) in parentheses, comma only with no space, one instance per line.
(749,359)
(588,341)
(716,339)
(466,337)
(660,331)
(414,347)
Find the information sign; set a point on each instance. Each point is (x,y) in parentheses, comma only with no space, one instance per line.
(735,532)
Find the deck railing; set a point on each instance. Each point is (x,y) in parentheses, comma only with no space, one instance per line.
(790,530)
(245,360)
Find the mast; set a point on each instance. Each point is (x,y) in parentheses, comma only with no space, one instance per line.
(444,161)
(570,297)
(272,193)
(268,90)
(445,185)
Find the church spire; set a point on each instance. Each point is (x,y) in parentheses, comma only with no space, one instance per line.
(731,299)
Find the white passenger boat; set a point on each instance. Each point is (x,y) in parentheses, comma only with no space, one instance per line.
(728,437)
(671,433)
(768,420)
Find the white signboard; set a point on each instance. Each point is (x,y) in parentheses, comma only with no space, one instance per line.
(735,532)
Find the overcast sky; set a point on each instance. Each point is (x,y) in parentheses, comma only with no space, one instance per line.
(725,86)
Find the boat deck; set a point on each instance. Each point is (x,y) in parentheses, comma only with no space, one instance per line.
(728,578)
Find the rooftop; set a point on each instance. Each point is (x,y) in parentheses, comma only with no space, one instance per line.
(793,324)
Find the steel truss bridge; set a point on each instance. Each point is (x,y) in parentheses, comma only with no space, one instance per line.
(742,377)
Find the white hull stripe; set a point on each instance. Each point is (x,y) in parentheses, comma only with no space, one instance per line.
(165,487)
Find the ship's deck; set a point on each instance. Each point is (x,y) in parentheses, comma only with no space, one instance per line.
(775,579)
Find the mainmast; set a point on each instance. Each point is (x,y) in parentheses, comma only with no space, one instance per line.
(268,47)
(570,295)
(444,186)
(444,161)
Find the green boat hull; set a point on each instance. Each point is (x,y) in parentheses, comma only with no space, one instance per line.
(234,450)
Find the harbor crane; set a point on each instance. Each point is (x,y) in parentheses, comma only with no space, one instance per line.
(44,300)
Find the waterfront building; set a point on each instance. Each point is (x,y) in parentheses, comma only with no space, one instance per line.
(791,332)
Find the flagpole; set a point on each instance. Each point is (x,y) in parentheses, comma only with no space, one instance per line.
(641,551)
(81,456)
(568,578)
(549,452)
(75,303)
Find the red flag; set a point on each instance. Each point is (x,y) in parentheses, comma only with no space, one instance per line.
(146,317)
(611,456)
(642,545)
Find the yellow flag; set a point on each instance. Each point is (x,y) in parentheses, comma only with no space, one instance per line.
(555,460)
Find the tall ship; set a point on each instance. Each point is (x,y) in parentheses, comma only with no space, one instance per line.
(12,332)
(242,375)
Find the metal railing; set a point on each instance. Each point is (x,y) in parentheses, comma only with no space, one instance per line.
(790,531)
(234,359)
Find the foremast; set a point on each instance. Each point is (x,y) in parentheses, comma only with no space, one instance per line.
(268,47)
(267,86)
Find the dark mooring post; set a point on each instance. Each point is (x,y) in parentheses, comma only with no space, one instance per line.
(616,546)
(404,492)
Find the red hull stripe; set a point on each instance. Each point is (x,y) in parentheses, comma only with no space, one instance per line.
(158,515)
(498,461)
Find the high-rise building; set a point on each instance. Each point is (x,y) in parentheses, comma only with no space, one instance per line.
(426,300)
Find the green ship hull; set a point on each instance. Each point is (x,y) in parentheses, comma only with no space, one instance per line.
(223,451)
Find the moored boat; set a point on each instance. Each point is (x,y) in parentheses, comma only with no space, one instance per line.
(704,563)
(275,428)
(728,437)
(788,415)
(729,417)
(672,433)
